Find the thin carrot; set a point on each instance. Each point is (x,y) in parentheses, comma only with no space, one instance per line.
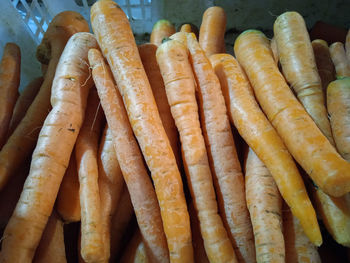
(10,67)
(52,153)
(68,200)
(189,28)
(273,46)
(324,63)
(265,206)
(258,132)
(115,37)
(161,29)
(338,55)
(92,246)
(223,159)
(212,31)
(110,182)
(135,251)
(130,159)
(51,247)
(149,61)
(347,46)
(23,102)
(303,139)
(22,141)
(298,246)
(176,70)
(299,67)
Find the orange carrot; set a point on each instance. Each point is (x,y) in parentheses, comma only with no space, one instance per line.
(110,182)
(161,29)
(324,63)
(338,55)
(92,246)
(130,160)
(23,102)
(212,31)
(135,251)
(176,70)
(68,200)
(299,67)
(149,61)
(223,159)
(52,153)
(116,40)
(347,46)
(303,139)
(273,45)
(258,132)
(22,141)
(265,206)
(10,67)
(189,28)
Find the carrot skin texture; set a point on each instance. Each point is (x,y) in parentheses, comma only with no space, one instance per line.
(22,141)
(274,50)
(212,31)
(258,132)
(173,62)
(265,206)
(289,118)
(161,29)
(338,55)
(186,28)
(299,67)
(51,157)
(10,67)
(135,251)
(118,45)
(222,154)
(140,187)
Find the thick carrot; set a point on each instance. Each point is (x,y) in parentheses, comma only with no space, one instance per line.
(23,102)
(258,132)
(10,67)
(161,29)
(298,247)
(52,153)
(110,182)
(265,206)
(115,37)
(135,251)
(324,63)
(51,247)
(176,70)
(92,246)
(273,45)
(305,142)
(299,67)
(68,200)
(347,46)
(223,159)
(212,31)
(130,159)
(338,55)
(22,141)
(149,61)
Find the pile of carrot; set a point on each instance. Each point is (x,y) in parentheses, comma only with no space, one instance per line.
(140,145)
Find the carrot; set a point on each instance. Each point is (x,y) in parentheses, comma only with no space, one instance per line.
(180,90)
(51,247)
(223,159)
(68,200)
(303,139)
(186,28)
(324,63)
(265,207)
(115,37)
(338,55)
(52,153)
(161,29)
(259,134)
(273,46)
(10,67)
(149,61)
(298,246)
(347,46)
(119,223)
(92,246)
(299,67)
(23,140)
(140,187)
(212,31)
(110,182)
(23,102)
(135,251)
